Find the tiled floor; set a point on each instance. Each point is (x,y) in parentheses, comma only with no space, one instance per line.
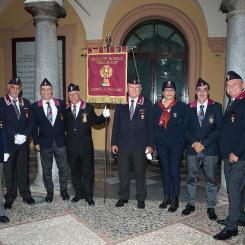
(68,223)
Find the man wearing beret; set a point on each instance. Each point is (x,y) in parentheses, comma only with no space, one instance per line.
(232,147)
(80,117)
(202,121)
(132,139)
(49,138)
(18,121)
(4,155)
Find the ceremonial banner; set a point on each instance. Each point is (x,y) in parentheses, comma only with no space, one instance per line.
(107,76)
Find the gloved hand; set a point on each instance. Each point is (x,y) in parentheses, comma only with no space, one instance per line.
(148,155)
(5,157)
(106,112)
(19,139)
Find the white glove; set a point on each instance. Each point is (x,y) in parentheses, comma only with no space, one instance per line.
(5,157)
(106,112)
(19,139)
(148,155)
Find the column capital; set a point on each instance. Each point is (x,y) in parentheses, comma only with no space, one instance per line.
(45,10)
(232,5)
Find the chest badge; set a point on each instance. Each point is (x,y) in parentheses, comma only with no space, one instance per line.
(175,114)
(211,119)
(84,117)
(233,117)
(142,114)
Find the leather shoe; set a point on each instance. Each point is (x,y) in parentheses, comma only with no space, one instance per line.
(165,203)
(211,214)
(188,209)
(174,205)
(225,234)
(90,201)
(223,222)
(29,200)
(64,195)
(76,199)
(8,205)
(4,219)
(141,204)
(49,197)
(121,202)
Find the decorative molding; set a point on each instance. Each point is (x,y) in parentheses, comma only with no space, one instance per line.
(177,18)
(217,44)
(94,43)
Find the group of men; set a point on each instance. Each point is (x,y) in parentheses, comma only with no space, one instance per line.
(53,126)
(65,134)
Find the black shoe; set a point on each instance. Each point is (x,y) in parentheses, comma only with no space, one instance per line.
(49,197)
(174,205)
(211,214)
(225,234)
(29,200)
(4,219)
(120,203)
(90,201)
(8,205)
(76,199)
(141,204)
(165,203)
(188,209)
(240,223)
(221,221)
(64,195)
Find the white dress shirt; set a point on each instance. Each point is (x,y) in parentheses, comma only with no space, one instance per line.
(53,107)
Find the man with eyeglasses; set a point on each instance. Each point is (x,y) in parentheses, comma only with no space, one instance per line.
(132,138)
(202,121)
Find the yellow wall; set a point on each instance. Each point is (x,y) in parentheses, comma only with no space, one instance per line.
(212,68)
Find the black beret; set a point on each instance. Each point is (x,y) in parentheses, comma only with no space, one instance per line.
(45,82)
(201,82)
(73,87)
(15,81)
(168,84)
(231,75)
(134,81)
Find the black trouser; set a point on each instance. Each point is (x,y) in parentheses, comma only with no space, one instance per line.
(59,153)
(82,172)
(138,160)
(16,172)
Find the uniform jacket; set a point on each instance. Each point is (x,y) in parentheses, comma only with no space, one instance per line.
(136,133)
(78,130)
(208,133)
(3,140)
(174,134)
(44,132)
(232,132)
(13,125)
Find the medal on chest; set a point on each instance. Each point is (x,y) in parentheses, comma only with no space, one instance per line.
(84,117)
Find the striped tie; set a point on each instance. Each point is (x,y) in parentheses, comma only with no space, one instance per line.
(131,110)
(201,115)
(16,109)
(74,111)
(49,112)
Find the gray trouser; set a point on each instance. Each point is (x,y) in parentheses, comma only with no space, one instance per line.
(234,176)
(210,170)
(2,212)
(59,154)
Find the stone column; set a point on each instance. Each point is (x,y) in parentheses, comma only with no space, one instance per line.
(45,16)
(235,54)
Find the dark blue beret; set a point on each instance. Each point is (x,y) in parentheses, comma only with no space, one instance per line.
(201,82)
(15,81)
(168,84)
(231,75)
(45,82)
(134,81)
(73,87)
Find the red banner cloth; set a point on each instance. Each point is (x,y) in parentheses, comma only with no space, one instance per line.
(107,77)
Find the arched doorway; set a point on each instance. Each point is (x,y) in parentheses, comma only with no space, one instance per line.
(161,54)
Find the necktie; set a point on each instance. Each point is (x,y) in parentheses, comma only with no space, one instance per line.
(74,111)
(131,110)
(201,115)
(49,112)
(16,109)
(229,105)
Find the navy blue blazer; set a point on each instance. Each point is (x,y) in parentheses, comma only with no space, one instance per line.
(78,130)
(13,125)
(44,133)
(232,132)
(136,133)
(208,133)
(174,134)
(3,140)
